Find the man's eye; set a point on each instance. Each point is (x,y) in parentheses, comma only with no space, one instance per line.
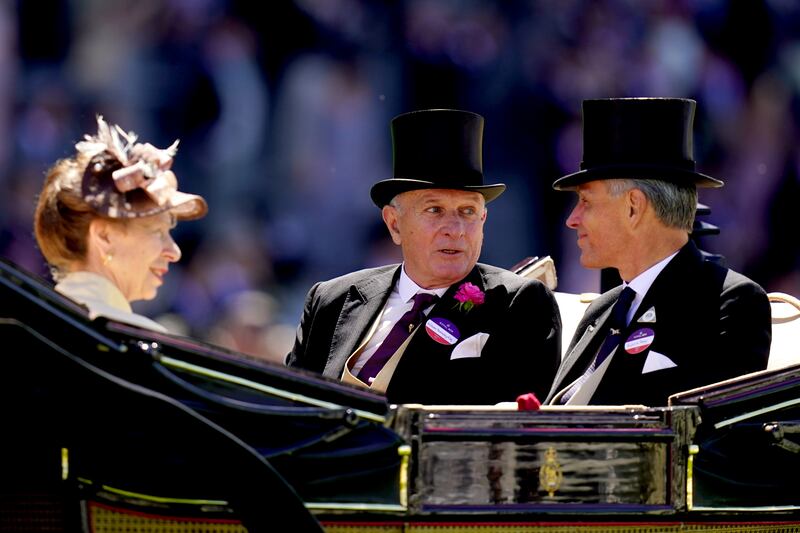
(469,211)
(433,209)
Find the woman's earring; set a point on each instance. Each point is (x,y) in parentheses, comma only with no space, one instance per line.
(107,259)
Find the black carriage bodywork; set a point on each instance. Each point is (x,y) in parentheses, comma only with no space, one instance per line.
(67,379)
(105,420)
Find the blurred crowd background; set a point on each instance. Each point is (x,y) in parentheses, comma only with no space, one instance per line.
(282,109)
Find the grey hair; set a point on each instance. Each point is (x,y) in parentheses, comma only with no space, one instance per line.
(675,205)
(394,202)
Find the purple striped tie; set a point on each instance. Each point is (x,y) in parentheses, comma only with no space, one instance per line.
(398,334)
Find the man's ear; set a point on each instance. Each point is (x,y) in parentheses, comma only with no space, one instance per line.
(390,218)
(637,205)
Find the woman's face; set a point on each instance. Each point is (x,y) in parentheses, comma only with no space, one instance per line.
(141,250)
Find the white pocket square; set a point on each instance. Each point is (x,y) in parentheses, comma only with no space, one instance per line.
(470,347)
(648,316)
(657,361)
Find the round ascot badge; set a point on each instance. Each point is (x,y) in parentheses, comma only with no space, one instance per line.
(639,340)
(442,331)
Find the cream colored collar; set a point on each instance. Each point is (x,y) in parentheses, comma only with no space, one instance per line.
(88,288)
(103,298)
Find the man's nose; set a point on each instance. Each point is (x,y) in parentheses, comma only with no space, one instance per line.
(454,225)
(574,218)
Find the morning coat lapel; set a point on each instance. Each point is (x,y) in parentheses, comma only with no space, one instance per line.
(581,354)
(364,301)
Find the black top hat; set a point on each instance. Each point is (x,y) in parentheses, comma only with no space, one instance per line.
(436,149)
(646,138)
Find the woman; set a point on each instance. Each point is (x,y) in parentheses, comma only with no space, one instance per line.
(103,222)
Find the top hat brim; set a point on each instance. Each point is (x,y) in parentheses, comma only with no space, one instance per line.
(383,191)
(678,176)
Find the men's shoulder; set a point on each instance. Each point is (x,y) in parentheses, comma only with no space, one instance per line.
(730,280)
(495,276)
(706,276)
(359,275)
(360,278)
(735,279)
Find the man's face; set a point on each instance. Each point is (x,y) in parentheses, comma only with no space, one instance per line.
(601,222)
(440,232)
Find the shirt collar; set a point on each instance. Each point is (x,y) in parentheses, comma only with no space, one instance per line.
(407,288)
(642,283)
(90,288)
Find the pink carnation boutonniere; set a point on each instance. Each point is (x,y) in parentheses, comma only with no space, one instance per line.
(469,296)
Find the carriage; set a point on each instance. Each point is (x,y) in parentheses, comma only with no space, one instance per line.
(108,427)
